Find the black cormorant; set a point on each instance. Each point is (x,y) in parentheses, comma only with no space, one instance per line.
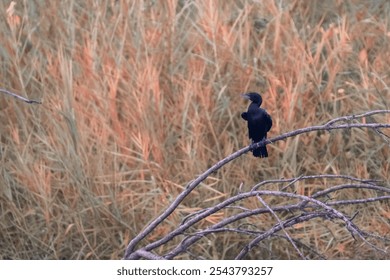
(259,122)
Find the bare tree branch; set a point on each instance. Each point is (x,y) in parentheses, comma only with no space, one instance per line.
(281,225)
(329,211)
(299,205)
(31,101)
(148,255)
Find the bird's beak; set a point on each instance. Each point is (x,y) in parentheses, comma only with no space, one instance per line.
(245,95)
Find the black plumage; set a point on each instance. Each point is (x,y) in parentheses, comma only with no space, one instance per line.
(259,122)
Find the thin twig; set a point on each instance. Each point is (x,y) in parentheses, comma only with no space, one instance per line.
(30,101)
(276,228)
(281,225)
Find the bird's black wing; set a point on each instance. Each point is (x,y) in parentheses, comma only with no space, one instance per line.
(244,116)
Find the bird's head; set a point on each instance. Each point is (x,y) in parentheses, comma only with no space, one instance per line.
(254,97)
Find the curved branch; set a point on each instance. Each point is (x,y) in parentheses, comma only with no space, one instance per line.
(287,208)
(193,184)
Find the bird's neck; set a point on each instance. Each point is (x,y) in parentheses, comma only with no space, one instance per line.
(253,106)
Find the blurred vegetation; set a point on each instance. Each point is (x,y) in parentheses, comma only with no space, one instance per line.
(141,96)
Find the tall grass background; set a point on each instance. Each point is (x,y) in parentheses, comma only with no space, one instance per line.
(139,97)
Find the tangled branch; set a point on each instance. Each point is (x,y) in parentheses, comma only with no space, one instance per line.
(301,208)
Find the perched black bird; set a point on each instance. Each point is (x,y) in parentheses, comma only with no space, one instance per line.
(259,122)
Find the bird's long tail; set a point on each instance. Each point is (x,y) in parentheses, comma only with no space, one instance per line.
(260,152)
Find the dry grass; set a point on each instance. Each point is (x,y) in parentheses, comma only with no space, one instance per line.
(141,96)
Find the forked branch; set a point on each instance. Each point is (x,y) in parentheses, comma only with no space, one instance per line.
(302,208)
